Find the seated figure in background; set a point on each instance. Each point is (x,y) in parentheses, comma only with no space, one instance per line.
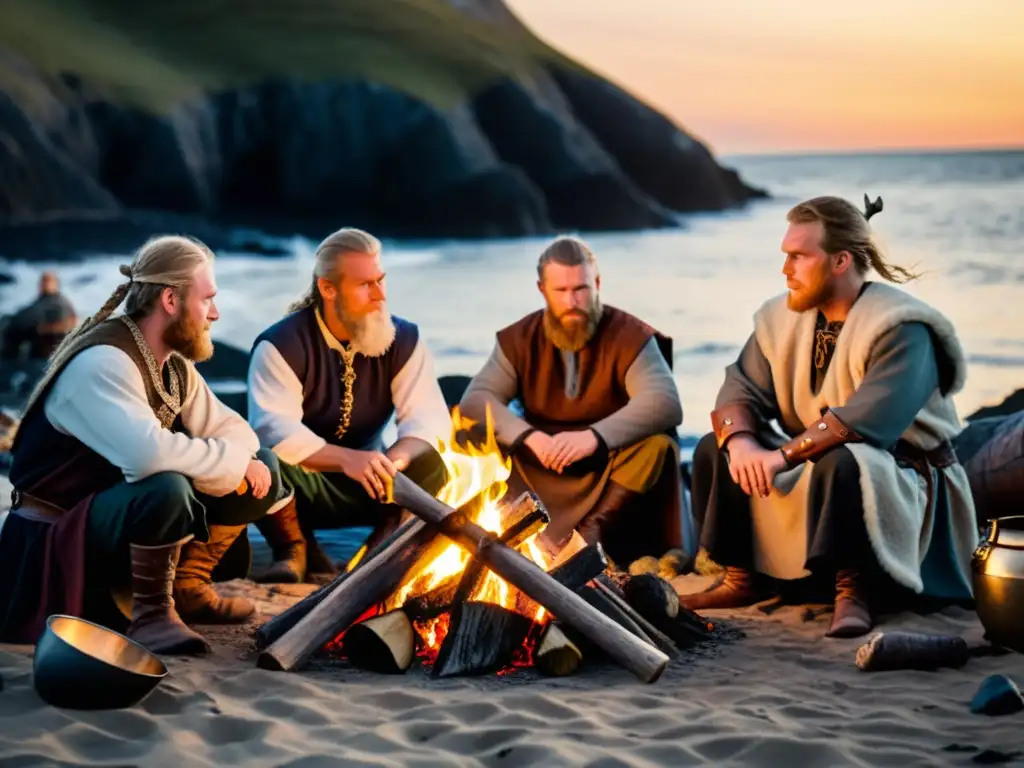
(128,469)
(864,486)
(35,331)
(599,401)
(324,382)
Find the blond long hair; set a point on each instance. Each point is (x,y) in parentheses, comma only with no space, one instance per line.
(847,229)
(168,261)
(328,265)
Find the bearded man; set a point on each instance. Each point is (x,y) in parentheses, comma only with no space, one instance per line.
(127,467)
(324,383)
(863,486)
(598,400)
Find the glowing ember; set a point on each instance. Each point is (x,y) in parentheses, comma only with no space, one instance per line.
(473,470)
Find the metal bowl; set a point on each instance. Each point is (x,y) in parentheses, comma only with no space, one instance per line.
(998,576)
(81,665)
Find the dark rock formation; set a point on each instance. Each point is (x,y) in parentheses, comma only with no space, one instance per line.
(535,144)
(1011,404)
(533,127)
(669,165)
(996,469)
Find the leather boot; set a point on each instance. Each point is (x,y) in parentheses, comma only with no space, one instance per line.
(288,545)
(197,600)
(613,500)
(852,617)
(154,621)
(317,561)
(735,590)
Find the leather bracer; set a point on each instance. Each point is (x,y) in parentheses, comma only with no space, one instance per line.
(819,438)
(732,419)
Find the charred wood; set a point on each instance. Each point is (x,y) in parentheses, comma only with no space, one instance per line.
(481,638)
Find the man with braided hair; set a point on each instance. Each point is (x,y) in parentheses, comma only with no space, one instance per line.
(324,383)
(861,484)
(128,469)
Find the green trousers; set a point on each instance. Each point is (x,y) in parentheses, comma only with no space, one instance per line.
(334,500)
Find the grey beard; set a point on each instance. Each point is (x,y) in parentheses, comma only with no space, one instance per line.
(572,340)
(371,335)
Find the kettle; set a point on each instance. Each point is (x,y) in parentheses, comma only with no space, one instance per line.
(997,571)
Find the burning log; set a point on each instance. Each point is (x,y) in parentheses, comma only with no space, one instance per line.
(524,518)
(643,659)
(269,632)
(382,643)
(556,655)
(367,585)
(482,637)
(583,566)
(432,604)
(574,573)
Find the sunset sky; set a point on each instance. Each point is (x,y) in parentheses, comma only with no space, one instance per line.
(785,75)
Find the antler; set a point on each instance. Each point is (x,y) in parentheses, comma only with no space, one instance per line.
(871,208)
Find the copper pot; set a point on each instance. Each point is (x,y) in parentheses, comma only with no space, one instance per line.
(998,574)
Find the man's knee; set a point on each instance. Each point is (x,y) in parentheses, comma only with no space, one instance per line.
(161,510)
(838,467)
(706,455)
(273,464)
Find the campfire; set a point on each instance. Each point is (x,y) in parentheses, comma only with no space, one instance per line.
(464,588)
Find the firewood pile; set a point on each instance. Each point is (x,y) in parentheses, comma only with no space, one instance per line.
(488,604)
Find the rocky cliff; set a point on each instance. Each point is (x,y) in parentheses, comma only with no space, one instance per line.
(413,117)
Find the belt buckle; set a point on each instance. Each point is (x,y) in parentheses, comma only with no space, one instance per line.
(15,498)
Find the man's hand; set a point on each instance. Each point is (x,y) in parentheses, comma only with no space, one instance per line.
(258,477)
(371,469)
(752,467)
(570,447)
(542,446)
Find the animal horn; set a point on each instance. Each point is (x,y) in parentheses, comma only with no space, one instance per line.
(871,208)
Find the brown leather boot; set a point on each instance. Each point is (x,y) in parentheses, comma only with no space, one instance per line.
(318,562)
(613,500)
(283,534)
(154,621)
(735,590)
(852,617)
(197,600)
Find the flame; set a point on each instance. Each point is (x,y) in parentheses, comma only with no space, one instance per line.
(473,470)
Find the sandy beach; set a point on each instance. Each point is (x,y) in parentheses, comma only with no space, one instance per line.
(779,694)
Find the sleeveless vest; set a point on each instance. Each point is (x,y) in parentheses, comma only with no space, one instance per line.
(602,364)
(59,468)
(786,337)
(321,369)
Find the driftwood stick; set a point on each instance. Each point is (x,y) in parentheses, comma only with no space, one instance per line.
(269,632)
(658,637)
(641,658)
(365,588)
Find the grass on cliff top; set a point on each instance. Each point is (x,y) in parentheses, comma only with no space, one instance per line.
(152,54)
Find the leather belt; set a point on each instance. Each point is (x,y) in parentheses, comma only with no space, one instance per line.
(32,507)
(940,457)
